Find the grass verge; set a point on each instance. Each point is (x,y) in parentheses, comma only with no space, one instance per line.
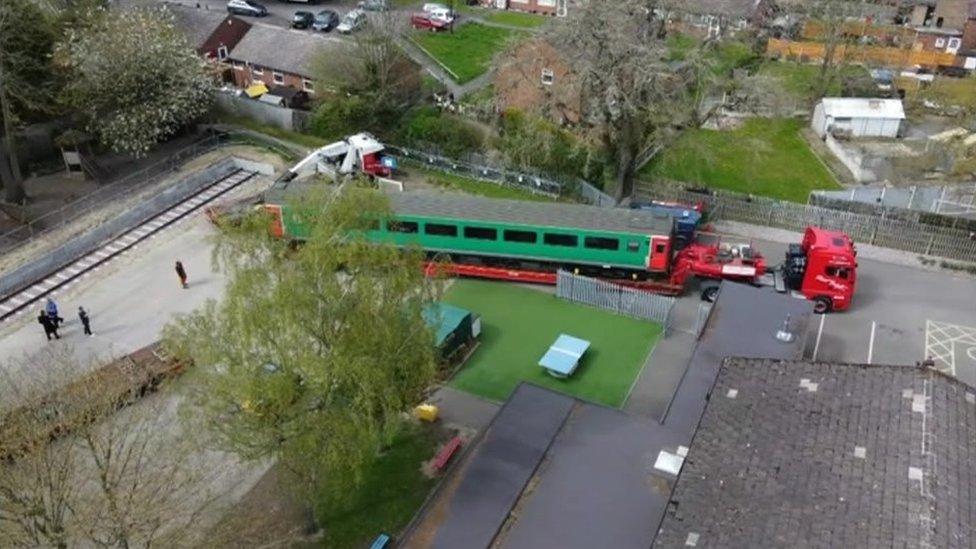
(766,157)
(303,139)
(468,51)
(515,19)
(518,326)
(393,488)
(470,186)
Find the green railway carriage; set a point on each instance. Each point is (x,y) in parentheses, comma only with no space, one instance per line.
(505,232)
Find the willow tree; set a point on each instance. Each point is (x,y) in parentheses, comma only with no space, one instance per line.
(314,351)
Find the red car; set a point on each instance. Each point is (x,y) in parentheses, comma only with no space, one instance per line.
(422,21)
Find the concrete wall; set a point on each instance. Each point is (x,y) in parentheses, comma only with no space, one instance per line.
(851,159)
(68,252)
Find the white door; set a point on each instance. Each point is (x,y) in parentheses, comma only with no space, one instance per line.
(561,8)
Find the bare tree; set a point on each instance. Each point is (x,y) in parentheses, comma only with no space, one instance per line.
(78,469)
(633,99)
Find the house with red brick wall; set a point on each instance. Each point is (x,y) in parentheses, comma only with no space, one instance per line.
(535,78)
(936,39)
(213,34)
(278,57)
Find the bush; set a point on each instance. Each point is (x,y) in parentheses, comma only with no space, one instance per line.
(532,142)
(346,115)
(430,129)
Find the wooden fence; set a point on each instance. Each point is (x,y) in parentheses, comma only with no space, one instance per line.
(899,234)
(876,55)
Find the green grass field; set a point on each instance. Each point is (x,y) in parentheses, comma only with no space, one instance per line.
(519,324)
(471,186)
(766,157)
(799,80)
(513,18)
(468,51)
(393,489)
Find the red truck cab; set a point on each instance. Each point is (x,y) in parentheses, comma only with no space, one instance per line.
(823,267)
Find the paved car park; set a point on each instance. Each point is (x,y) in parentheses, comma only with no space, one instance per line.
(900,315)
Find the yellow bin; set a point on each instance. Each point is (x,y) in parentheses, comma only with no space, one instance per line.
(426,412)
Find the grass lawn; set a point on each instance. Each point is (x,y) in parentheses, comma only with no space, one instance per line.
(519,324)
(514,18)
(468,51)
(766,157)
(799,79)
(393,489)
(303,139)
(471,186)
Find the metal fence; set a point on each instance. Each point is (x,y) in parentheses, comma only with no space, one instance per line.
(620,300)
(956,203)
(888,232)
(701,317)
(126,185)
(480,168)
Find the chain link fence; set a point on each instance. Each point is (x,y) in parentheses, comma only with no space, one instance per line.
(478,167)
(618,299)
(127,185)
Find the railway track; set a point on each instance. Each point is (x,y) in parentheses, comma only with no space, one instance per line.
(20,301)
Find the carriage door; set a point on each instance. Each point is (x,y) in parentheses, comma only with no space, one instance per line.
(659,255)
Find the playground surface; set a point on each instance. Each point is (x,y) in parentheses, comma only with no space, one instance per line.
(518,325)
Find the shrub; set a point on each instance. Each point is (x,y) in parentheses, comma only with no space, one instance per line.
(344,116)
(532,142)
(430,129)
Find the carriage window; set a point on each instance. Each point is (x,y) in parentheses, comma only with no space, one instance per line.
(480,233)
(660,248)
(556,239)
(633,246)
(601,243)
(520,236)
(438,229)
(403,226)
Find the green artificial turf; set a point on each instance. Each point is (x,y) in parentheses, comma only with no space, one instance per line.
(519,324)
(468,51)
(393,488)
(766,157)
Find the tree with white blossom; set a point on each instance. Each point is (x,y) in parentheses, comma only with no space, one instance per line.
(134,77)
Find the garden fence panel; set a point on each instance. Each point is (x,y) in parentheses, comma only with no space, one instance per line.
(618,299)
(898,233)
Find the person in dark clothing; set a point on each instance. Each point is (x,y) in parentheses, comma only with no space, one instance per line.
(181,272)
(50,327)
(85,320)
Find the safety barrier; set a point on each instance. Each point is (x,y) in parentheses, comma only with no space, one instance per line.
(615,298)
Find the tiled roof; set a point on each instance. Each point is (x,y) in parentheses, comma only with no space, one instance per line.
(794,454)
(196,24)
(285,50)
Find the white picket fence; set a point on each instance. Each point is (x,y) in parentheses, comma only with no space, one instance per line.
(618,299)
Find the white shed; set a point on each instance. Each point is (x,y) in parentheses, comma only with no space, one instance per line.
(860,117)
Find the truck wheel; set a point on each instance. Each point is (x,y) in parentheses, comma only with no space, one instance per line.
(709,293)
(822,305)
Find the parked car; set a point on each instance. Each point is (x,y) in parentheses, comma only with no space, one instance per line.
(302,20)
(246,7)
(440,12)
(423,21)
(325,21)
(373,5)
(353,21)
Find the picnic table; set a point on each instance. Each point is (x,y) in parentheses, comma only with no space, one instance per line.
(564,355)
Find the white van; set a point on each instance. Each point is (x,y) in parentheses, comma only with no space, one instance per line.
(439,12)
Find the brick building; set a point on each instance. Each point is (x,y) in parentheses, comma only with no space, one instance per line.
(952,14)
(557,8)
(535,78)
(211,33)
(278,57)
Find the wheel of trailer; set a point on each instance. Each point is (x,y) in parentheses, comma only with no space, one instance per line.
(822,305)
(709,293)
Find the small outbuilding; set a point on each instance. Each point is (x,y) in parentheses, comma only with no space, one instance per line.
(858,117)
(453,326)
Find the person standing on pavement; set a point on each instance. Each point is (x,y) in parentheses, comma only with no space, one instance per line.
(50,328)
(52,312)
(85,320)
(181,272)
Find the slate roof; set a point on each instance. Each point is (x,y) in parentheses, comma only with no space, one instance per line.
(195,23)
(796,454)
(857,107)
(284,50)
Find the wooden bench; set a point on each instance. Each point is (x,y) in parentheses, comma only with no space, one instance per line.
(380,542)
(446,453)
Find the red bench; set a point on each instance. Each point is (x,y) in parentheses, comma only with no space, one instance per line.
(446,453)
